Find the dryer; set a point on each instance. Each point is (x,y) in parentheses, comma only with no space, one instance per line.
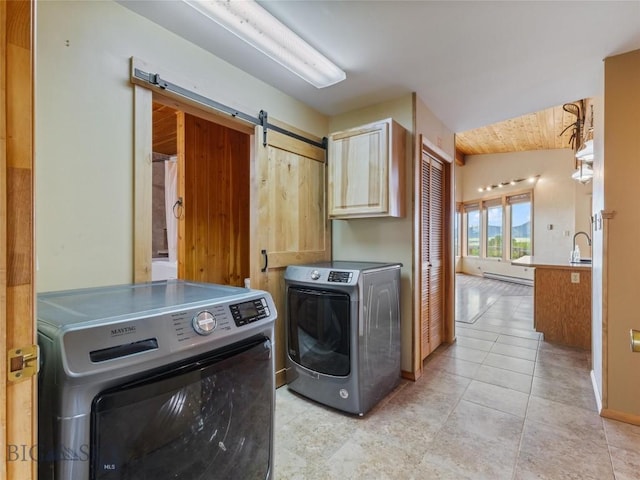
(343,332)
(169,379)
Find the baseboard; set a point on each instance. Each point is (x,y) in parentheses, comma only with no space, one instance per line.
(508,278)
(281,377)
(620,416)
(410,375)
(594,384)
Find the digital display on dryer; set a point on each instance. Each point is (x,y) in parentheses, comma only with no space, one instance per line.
(250,311)
(247,310)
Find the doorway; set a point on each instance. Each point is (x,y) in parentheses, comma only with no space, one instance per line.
(200,198)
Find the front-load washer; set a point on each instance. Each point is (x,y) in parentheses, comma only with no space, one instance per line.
(169,379)
(343,332)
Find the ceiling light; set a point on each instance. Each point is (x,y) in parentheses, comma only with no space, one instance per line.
(585,154)
(253,24)
(583,174)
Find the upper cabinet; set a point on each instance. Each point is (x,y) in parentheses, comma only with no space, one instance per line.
(366,171)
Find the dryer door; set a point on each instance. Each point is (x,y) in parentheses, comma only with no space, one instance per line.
(207,418)
(318,331)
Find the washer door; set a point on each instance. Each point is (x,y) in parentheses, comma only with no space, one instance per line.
(209,418)
(319,330)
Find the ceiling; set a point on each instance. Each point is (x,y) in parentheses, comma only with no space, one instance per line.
(473,63)
(547,129)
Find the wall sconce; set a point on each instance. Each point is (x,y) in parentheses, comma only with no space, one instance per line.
(253,24)
(488,188)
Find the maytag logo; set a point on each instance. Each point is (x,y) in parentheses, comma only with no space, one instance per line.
(116,332)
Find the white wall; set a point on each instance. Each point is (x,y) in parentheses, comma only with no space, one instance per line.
(84,131)
(555,195)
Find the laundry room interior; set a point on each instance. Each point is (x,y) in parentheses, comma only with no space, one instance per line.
(408,266)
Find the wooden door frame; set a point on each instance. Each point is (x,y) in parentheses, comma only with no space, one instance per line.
(144,97)
(18,401)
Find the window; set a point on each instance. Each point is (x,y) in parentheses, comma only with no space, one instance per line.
(498,228)
(494,231)
(472,214)
(520,228)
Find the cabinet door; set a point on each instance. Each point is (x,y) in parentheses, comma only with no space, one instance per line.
(289,220)
(365,171)
(358,171)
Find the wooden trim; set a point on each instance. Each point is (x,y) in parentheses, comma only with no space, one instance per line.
(290,144)
(181,190)
(513,193)
(620,416)
(17,267)
(416,340)
(606,217)
(435,151)
(3,230)
(413,376)
(143,175)
(281,377)
(460,158)
(197,110)
(179,102)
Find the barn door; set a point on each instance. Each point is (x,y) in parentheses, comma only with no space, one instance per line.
(289,219)
(18,400)
(432,203)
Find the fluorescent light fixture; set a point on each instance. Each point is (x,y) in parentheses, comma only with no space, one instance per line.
(253,24)
(585,154)
(583,174)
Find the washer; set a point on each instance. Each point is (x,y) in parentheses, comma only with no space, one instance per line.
(167,379)
(343,332)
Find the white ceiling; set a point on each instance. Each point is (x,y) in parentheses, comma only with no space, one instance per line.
(473,63)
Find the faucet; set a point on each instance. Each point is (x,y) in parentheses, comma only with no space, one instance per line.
(580,233)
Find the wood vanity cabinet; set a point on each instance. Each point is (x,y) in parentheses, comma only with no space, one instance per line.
(366,171)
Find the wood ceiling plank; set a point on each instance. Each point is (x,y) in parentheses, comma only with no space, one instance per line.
(534,131)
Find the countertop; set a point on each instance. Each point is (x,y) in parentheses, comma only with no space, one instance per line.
(533,261)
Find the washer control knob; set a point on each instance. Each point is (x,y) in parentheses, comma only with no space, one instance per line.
(204,323)
(315,275)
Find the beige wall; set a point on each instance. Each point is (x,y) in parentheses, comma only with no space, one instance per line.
(391,239)
(559,202)
(621,169)
(382,239)
(84,131)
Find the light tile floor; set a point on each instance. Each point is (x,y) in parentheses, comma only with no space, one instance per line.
(500,403)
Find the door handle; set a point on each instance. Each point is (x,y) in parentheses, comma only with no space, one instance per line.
(266,261)
(635,340)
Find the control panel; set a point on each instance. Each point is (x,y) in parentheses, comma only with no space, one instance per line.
(250,311)
(340,277)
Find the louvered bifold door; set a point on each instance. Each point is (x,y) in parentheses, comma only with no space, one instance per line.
(432,253)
